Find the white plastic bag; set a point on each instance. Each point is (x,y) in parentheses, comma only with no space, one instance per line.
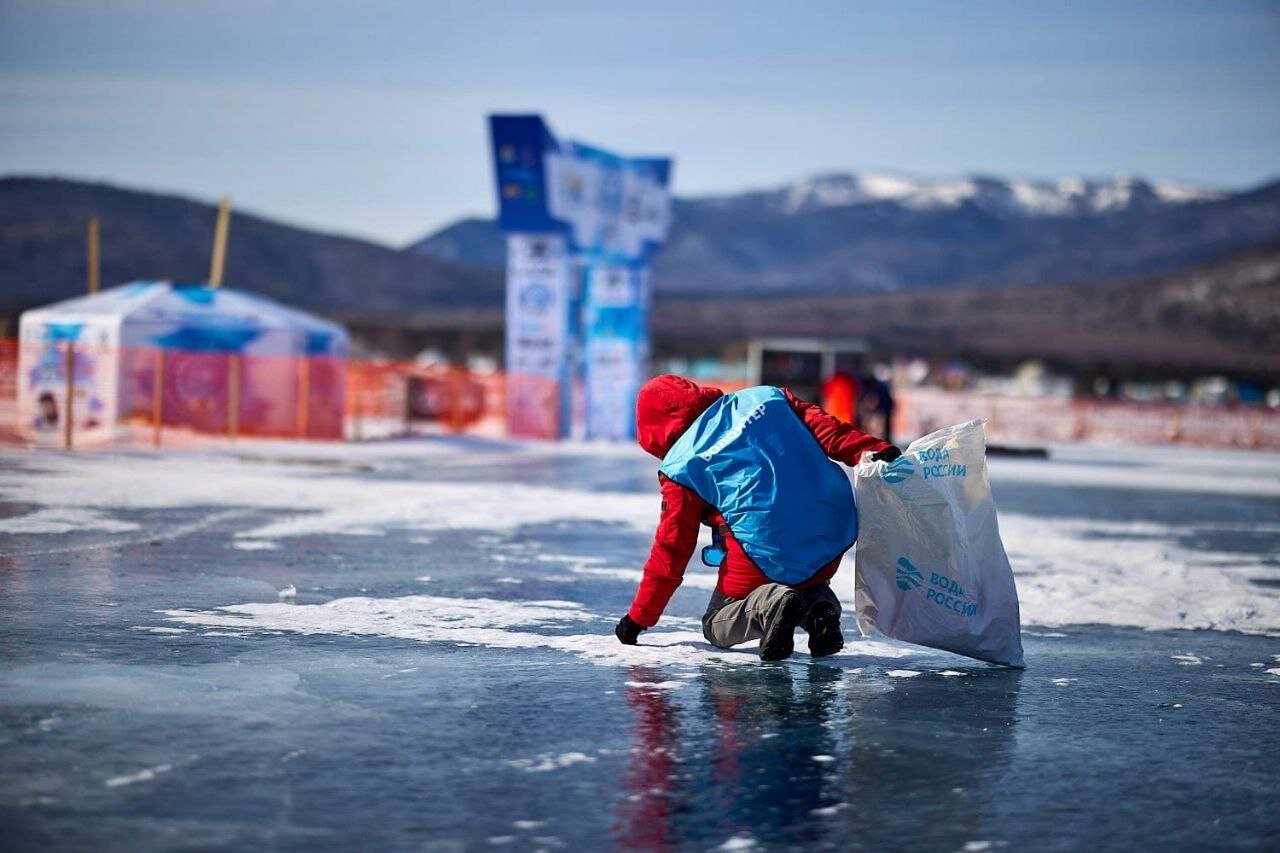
(930,566)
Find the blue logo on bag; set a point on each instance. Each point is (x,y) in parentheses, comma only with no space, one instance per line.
(909,576)
(898,470)
(943,591)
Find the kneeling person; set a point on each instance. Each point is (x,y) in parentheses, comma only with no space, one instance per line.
(755,466)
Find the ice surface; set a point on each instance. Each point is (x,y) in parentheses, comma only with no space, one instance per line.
(157,693)
(1069,571)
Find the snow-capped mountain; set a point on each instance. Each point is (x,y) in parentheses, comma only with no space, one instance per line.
(1068,197)
(876,231)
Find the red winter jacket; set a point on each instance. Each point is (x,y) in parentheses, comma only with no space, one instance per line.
(666,406)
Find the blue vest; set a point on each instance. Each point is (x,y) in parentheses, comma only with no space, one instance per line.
(751,457)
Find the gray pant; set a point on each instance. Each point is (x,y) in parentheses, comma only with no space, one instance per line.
(730,621)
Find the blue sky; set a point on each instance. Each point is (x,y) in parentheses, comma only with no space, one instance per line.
(368,118)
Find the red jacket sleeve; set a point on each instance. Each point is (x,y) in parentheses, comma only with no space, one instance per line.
(673,544)
(839,440)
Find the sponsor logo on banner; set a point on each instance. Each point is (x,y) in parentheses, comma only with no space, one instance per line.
(535,298)
(538,290)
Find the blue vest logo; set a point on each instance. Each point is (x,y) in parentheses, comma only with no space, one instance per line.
(751,457)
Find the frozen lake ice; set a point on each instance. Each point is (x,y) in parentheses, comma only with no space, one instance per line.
(408,645)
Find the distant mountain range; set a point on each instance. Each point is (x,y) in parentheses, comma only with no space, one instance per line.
(884,233)
(1149,276)
(146,236)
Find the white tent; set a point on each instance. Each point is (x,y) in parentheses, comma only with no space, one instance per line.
(216,356)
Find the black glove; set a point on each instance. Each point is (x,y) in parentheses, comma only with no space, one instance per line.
(628,630)
(889,454)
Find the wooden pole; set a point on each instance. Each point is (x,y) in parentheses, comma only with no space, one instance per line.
(220,242)
(94,257)
(157,397)
(69,409)
(233,395)
(304,395)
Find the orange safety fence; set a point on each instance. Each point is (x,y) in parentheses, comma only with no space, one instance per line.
(1048,420)
(9,433)
(86,393)
(231,394)
(149,395)
(387,397)
(83,392)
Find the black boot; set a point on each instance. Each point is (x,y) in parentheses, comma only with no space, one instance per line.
(779,641)
(824,630)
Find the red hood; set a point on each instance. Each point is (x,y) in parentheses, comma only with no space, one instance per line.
(665,408)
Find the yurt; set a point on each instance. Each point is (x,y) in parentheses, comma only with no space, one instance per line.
(179,356)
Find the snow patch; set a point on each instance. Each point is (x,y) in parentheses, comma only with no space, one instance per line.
(1133,574)
(547,762)
(493,624)
(66,520)
(145,775)
(1188,659)
(254,545)
(902,673)
(830,811)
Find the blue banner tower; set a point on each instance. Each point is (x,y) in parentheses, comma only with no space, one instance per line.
(582,224)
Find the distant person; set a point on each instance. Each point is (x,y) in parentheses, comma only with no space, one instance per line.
(879,399)
(840,396)
(46,412)
(755,466)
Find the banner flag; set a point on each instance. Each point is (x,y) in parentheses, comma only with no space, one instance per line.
(615,349)
(539,299)
(602,216)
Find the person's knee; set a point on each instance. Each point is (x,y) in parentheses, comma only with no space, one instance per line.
(708,632)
